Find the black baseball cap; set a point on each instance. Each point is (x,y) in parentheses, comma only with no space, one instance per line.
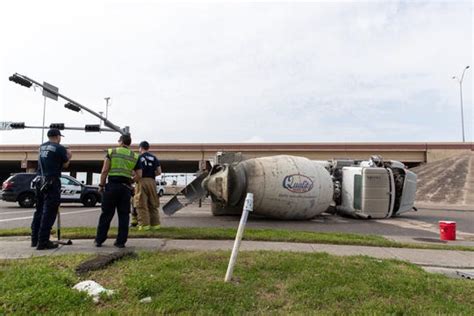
(145,145)
(54,132)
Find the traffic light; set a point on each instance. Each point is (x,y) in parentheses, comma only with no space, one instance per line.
(17,125)
(21,81)
(92,128)
(72,107)
(57,125)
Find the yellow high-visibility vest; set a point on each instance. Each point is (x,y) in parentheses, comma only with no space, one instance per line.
(122,161)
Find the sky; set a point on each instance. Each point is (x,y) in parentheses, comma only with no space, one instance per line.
(215,72)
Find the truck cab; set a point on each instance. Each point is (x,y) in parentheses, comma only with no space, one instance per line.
(375,190)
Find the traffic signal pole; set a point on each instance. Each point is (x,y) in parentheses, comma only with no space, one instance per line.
(87,128)
(92,129)
(73,105)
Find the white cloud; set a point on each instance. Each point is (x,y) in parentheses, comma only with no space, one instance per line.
(213,72)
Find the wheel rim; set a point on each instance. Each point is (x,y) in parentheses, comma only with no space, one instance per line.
(89,199)
(27,200)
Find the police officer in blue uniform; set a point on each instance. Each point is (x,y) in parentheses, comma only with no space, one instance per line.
(53,158)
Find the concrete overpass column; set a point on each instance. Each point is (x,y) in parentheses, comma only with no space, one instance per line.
(29,166)
(73,174)
(89,178)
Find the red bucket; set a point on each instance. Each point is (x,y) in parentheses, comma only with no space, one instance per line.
(447,230)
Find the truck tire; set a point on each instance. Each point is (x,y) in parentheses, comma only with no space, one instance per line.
(89,200)
(27,200)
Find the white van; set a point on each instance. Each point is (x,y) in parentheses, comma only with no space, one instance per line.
(160,187)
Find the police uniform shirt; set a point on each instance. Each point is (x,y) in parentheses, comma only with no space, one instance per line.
(52,158)
(148,163)
(120,179)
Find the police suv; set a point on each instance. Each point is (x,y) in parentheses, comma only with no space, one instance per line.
(17,188)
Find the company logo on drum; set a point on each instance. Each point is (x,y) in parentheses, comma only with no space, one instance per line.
(297,183)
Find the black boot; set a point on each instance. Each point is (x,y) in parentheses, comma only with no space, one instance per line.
(47,245)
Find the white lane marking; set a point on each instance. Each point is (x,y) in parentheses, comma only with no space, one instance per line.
(419,225)
(17,212)
(33,210)
(409,224)
(184,214)
(62,213)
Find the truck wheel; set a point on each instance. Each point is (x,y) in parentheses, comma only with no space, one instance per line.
(27,200)
(89,200)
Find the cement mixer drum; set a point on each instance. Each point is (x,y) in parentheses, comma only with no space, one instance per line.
(288,187)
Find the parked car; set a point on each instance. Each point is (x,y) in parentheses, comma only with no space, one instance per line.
(17,188)
(160,187)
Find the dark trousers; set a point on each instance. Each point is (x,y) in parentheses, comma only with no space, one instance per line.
(115,196)
(47,205)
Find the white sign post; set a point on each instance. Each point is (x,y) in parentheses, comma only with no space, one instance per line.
(248,207)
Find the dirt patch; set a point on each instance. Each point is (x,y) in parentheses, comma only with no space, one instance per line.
(444,181)
(103,260)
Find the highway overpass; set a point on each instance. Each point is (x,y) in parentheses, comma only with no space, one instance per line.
(187,158)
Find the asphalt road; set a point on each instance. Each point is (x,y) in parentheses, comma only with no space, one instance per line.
(421,224)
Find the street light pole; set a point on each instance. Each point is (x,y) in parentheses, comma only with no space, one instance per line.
(460,97)
(107,107)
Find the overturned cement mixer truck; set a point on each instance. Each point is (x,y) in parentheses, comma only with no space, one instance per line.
(292,187)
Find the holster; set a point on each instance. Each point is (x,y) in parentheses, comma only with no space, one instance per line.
(41,183)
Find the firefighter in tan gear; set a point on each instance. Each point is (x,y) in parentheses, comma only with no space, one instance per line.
(146,198)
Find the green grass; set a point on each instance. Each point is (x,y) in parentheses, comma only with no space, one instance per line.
(250,234)
(264,283)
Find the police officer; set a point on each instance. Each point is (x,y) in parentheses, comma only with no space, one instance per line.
(120,168)
(146,199)
(52,158)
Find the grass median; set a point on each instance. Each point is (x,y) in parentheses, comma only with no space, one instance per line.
(250,234)
(264,283)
